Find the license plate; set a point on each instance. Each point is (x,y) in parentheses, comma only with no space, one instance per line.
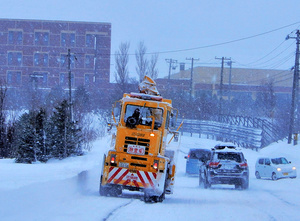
(136,149)
(285,174)
(125,165)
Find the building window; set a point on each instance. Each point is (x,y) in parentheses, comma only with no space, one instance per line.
(88,79)
(89,61)
(15,37)
(64,61)
(64,79)
(39,79)
(41,38)
(90,40)
(68,39)
(14,58)
(41,59)
(14,78)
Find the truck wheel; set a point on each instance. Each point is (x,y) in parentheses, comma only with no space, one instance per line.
(103,191)
(115,191)
(161,197)
(147,197)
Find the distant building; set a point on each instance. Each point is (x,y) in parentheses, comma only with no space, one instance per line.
(249,82)
(36,52)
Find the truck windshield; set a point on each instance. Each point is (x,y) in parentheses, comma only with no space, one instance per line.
(141,115)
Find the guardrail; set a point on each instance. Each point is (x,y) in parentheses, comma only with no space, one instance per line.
(246,132)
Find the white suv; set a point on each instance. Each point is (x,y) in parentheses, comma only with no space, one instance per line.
(274,168)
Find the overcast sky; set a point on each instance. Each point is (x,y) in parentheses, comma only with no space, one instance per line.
(184,29)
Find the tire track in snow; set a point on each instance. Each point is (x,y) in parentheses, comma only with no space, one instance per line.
(262,194)
(118,208)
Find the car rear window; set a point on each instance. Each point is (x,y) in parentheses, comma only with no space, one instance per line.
(198,154)
(230,156)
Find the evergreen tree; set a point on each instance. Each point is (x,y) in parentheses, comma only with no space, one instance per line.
(41,135)
(64,137)
(25,141)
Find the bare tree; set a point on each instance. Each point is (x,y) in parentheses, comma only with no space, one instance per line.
(121,59)
(142,62)
(266,100)
(152,70)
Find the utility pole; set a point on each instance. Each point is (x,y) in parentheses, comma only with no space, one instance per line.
(229,86)
(293,115)
(192,73)
(173,65)
(70,82)
(221,83)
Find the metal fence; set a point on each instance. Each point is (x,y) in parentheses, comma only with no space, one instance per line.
(245,132)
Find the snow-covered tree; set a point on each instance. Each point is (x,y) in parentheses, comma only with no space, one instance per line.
(266,100)
(64,135)
(25,139)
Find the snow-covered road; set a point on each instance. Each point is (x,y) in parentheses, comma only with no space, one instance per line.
(68,190)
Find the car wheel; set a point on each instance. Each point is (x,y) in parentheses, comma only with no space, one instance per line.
(257,175)
(274,176)
(206,183)
(245,184)
(237,186)
(201,183)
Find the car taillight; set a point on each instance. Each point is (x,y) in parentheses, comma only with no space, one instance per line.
(214,164)
(243,165)
(112,158)
(155,164)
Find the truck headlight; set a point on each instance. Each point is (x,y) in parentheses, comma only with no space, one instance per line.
(278,169)
(294,168)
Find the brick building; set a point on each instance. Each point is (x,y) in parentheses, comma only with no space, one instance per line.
(36,52)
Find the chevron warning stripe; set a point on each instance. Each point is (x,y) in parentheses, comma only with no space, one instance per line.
(122,176)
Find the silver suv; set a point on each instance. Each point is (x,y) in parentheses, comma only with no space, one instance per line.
(227,165)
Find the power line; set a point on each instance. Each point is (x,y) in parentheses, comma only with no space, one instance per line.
(287,58)
(262,79)
(226,42)
(265,66)
(286,79)
(266,54)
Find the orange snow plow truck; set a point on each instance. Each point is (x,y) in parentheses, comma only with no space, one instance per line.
(138,159)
